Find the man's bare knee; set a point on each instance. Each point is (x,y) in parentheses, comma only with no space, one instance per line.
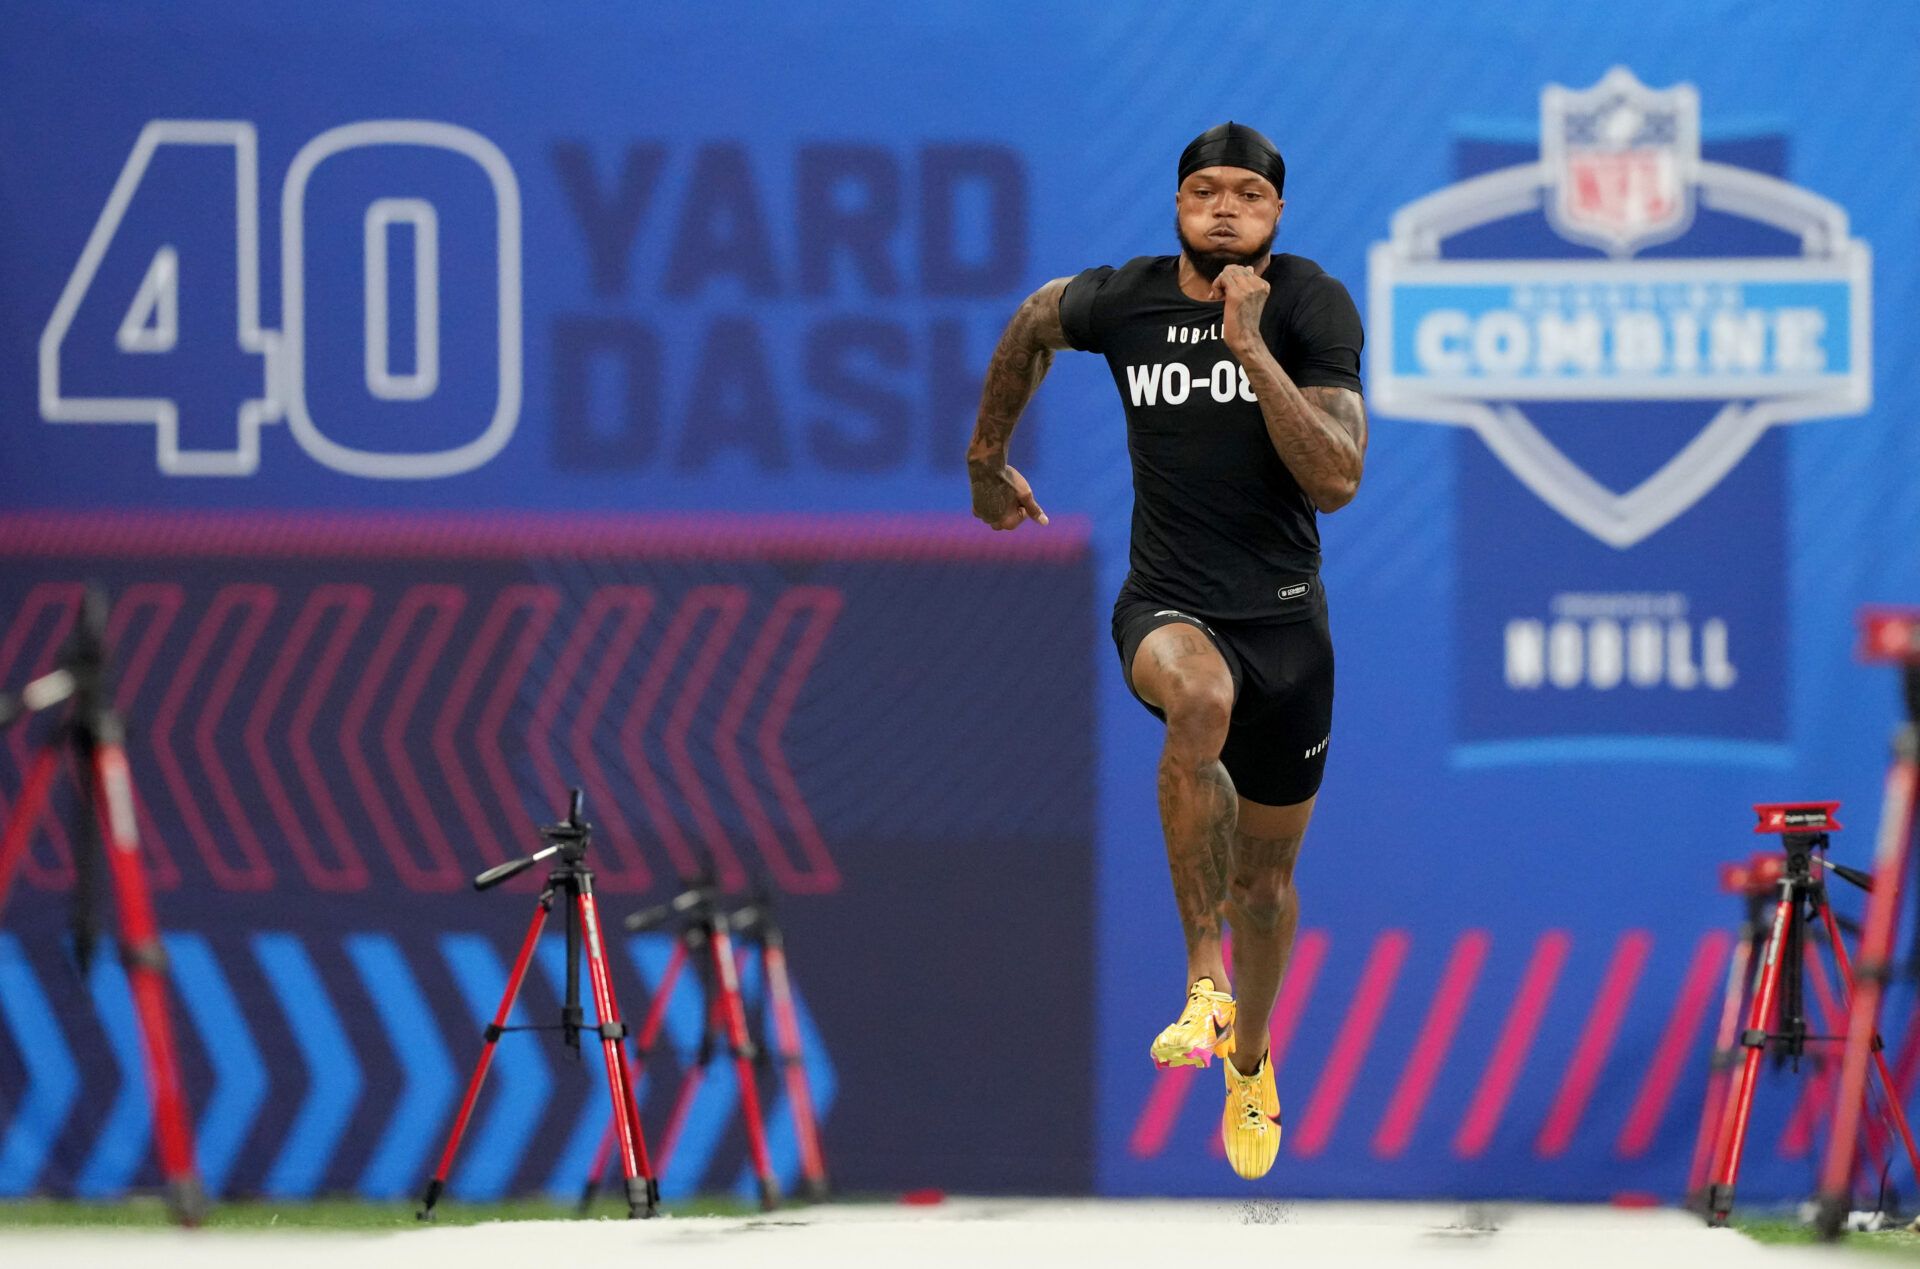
(1198,710)
(1259,902)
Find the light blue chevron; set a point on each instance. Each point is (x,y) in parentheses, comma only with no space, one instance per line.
(783,1143)
(53,1081)
(399,1160)
(333,1072)
(122,1143)
(517,1087)
(712,1106)
(239,1074)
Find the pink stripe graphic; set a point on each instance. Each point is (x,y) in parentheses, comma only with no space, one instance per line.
(630,606)
(1351,1045)
(254,872)
(452,734)
(1150,1133)
(634,605)
(262,727)
(819,875)
(1431,1048)
(633,739)
(516,535)
(354,602)
(257,603)
(447,603)
(729,605)
(1511,1049)
(542,604)
(1697,991)
(1595,1043)
(1309,953)
(443,871)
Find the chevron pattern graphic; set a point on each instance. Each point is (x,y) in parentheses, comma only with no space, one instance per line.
(334,724)
(371,1043)
(354,716)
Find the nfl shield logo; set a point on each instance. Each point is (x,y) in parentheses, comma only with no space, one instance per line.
(1622,160)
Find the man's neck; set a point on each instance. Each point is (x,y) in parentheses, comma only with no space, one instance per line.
(1197,286)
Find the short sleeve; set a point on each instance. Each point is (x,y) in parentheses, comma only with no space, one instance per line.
(1082,314)
(1324,338)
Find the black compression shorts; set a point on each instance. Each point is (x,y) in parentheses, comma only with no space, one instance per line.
(1276,748)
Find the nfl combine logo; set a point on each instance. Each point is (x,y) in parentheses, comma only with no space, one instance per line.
(1620,312)
(1474,341)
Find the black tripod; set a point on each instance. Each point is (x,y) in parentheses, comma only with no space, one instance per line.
(93,737)
(568,841)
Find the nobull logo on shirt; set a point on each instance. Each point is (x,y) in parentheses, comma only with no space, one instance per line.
(1620,314)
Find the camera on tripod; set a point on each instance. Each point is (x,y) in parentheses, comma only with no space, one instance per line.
(570,880)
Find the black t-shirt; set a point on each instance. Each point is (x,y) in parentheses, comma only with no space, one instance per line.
(1220,527)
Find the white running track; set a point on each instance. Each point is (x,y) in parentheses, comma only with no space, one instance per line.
(987,1234)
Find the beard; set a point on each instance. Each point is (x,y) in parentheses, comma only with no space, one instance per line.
(1208,260)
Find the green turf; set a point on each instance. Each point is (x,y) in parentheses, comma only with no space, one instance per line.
(337,1214)
(1900,1243)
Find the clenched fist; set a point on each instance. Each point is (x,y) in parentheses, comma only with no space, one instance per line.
(1245,293)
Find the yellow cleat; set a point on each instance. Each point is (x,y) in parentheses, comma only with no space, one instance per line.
(1250,1126)
(1204,1031)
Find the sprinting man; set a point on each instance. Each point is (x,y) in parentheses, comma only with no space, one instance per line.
(1239,372)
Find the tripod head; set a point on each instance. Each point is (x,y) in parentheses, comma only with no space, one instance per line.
(1803,828)
(81,669)
(568,839)
(757,918)
(698,902)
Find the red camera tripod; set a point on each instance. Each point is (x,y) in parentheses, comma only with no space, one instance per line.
(705,941)
(570,877)
(92,736)
(1889,636)
(1776,1015)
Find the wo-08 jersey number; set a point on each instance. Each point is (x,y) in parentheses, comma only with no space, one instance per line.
(174,320)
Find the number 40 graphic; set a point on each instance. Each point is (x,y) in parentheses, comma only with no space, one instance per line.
(152,316)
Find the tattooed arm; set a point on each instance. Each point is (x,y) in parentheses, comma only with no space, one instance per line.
(1320,433)
(1001,495)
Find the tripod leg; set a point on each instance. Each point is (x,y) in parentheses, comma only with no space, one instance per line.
(1895,1111)
(734,1015)
(1810,1112)
(1726,1164)
(26,813)
(1739,983)
(146,976)
(438,1184)
(649,1035)
(786,1025)
(643,1193)
(1876,947)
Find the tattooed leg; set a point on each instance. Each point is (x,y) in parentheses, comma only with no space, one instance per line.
(1264,909)
(1177,669)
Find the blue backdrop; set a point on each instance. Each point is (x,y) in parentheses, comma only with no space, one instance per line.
(1635,462)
